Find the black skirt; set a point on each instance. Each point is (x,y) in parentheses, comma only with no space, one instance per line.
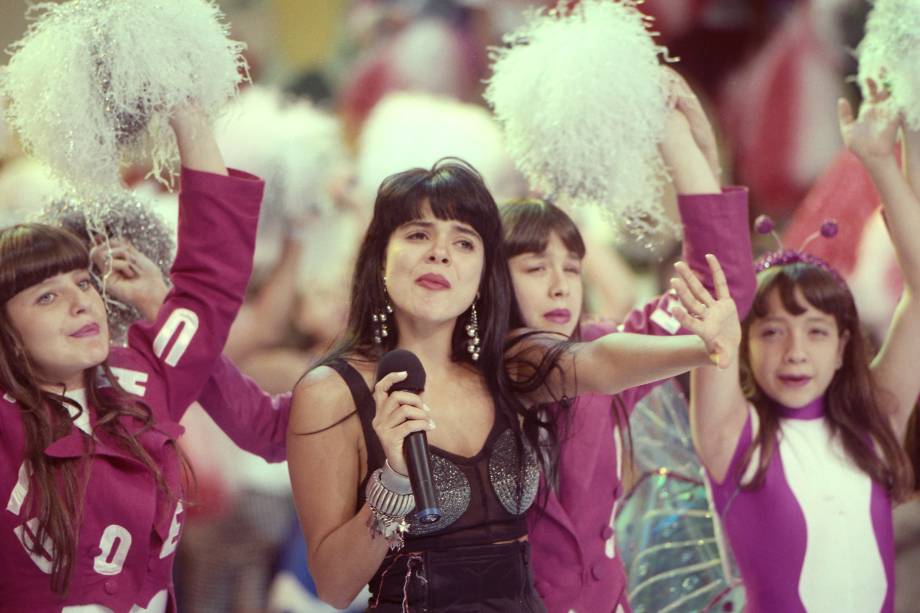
(479,579)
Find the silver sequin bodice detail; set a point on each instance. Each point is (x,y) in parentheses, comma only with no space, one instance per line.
(503,473)
(455,493)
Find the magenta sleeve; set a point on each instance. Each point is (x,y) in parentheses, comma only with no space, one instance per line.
(253,419)
(718,224)
(218,216)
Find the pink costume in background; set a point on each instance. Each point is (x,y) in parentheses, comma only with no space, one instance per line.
(130,527)
(575,562)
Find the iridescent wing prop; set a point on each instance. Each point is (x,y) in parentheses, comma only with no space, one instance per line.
(668,533)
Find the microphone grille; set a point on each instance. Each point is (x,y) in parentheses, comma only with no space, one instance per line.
(400,360)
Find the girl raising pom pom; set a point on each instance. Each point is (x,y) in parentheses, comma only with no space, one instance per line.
(89,469)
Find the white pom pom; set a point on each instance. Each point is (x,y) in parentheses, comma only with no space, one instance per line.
(890,54)
(25,186)
(92,82)
(583,101)
(6,137)
(415,130)
(297,149)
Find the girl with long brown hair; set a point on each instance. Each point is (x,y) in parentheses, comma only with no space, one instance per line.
(89,470)
(803,451)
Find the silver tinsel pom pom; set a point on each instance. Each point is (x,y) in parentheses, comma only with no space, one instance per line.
(121,214)
(92,83)
(583,102)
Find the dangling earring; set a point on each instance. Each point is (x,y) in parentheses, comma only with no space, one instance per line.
(472,333)
(379,318)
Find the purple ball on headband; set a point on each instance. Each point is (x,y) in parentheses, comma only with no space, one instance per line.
(763,224)
(829,228)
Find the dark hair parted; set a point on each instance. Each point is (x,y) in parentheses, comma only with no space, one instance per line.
(852,404)
(528,224)
(30,254)
(453,190)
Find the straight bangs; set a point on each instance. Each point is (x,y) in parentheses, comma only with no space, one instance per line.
(452,189)
(529,222)
(31,253)
(817,286)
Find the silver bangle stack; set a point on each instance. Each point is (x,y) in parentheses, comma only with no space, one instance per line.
(389,496)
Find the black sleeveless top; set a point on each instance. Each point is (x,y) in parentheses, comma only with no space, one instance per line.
(482,499)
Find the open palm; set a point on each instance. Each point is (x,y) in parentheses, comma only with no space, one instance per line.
(713,318)
(873,133)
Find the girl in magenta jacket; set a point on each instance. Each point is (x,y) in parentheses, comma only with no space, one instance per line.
(90,475)
(575,560)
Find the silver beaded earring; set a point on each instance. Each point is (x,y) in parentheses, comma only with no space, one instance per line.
(379,318)
(472,334)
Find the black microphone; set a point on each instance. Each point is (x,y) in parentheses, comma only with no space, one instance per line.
(415,446)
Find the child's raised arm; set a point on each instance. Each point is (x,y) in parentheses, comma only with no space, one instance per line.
(689,146)
(872,136)
(197,146)
(615,362)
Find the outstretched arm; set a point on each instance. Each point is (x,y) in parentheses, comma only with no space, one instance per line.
(615,362)
(872,136)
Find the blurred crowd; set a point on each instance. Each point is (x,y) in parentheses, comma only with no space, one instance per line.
(403,88)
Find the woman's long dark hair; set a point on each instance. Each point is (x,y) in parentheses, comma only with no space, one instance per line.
(29,254)
(853,404)
(913,446)
(454,190)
